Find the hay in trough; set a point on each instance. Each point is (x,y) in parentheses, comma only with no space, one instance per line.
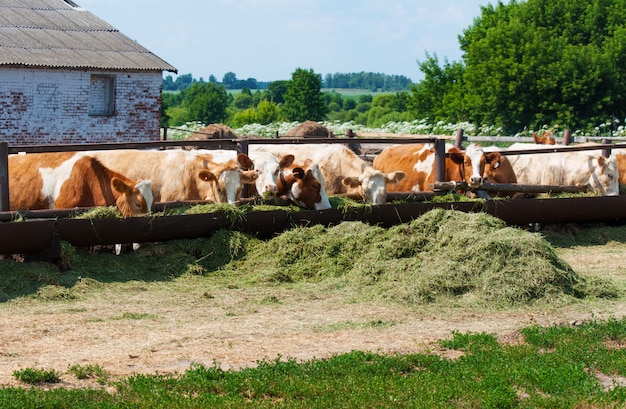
(308,129)
(440,256)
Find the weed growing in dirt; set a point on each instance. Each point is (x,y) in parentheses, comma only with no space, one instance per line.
(89,371)
(555,367)
(37,376)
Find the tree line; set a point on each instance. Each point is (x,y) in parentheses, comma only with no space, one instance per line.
(358,80)
(525,65)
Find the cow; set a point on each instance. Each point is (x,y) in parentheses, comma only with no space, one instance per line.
(303,187)
(64,180)
(575,168)
(303,184)
(546,138)
(620,156)
(343,171)
(264,164)
(180,175)
(417,161)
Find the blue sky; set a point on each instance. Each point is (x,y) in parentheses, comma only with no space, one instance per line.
(268,39)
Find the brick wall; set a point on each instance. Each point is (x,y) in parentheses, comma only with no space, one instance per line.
(41,106)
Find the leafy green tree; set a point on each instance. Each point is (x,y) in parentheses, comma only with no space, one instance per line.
(206,102)
(277,90)
(439,96)
(546,61)
(303,99)
(243,99)
(267,112)
(229,80)
(183,81)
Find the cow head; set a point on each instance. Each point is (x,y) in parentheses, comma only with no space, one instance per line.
(268,169)
(226,180)
(373,184)
(132,199)
(472,163)
(302,184)
(604,179)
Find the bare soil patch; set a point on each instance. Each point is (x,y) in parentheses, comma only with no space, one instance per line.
(149,327)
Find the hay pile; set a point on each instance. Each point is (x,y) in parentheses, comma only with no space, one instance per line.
(213,131)
(308,129)
(443,255)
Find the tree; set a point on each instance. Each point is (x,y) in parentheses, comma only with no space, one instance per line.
(277,90)
(303,99)
(243,100)
(229,80)
(439,96)
(546,61)
(206,102)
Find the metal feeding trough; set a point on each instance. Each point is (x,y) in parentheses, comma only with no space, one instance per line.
(42,232)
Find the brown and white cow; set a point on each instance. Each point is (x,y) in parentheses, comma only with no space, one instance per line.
(303,184)
(303,190)
(179,175)
(620,156)
(264,164)
(417,161)
(576,168)
(343,171)
(546,138)
(69,179)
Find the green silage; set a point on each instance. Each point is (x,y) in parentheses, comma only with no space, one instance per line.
(441,255)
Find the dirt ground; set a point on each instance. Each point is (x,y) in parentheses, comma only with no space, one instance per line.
(134,331)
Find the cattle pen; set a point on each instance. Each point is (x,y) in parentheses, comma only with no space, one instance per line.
(40,232)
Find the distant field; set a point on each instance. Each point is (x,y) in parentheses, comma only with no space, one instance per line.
(345,92)
(355,93)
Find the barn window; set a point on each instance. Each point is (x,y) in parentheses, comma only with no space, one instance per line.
(101,95)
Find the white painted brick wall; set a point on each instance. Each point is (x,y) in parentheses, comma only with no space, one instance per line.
(45,106)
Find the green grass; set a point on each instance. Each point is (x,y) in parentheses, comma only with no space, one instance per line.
(549,367)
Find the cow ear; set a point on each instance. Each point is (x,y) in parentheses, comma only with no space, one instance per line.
(298,173)
(286,160)
(394,177)
(457,157)
(206,175)
(248,176)
(119,186)
(601,160)
(245,162)
(351,182)
(492,157)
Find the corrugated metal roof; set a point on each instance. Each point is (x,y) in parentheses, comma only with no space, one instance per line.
(60,34)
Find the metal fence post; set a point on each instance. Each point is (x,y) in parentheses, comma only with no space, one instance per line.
(459,138)
(567,137)
(606,152)
(440,160)
(4,177)
(242,147)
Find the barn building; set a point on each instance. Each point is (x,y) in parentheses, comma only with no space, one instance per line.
(66,76)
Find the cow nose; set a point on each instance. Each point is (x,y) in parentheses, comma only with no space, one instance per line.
(270,188)
(476,180)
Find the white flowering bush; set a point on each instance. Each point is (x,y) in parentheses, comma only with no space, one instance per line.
(416,127)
